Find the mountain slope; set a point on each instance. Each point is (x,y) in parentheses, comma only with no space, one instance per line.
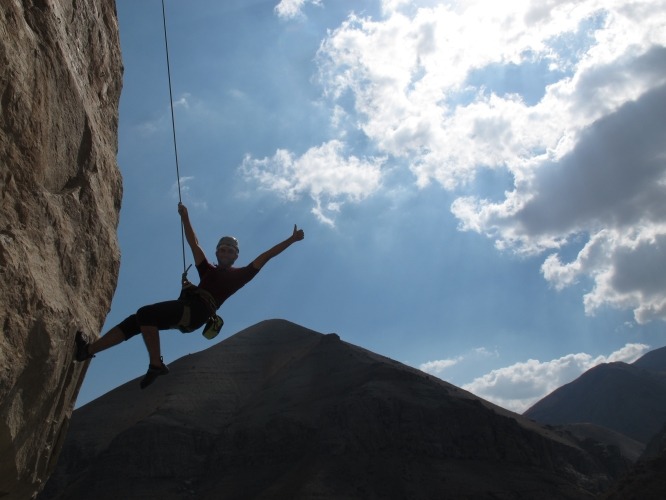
(627,398)
(654,360)
(280,411)
(647,479)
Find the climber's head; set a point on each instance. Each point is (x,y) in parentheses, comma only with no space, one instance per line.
(226,251)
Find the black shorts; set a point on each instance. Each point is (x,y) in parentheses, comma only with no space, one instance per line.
(165,316)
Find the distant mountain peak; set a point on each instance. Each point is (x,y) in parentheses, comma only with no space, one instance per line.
(627,398)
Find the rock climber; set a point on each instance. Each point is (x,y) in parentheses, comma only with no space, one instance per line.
(195,306)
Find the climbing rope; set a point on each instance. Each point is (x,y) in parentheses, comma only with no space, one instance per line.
(173,128)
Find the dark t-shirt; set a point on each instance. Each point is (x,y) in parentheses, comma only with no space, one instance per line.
(222,283)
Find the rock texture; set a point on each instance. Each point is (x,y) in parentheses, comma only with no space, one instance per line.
(280,411)
(647,479)
(60,192)
(631,400)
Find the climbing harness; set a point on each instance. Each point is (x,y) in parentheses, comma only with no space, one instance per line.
(189,291)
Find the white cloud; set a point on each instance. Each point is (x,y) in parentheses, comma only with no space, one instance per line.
(407,74)
(292,9)
(567,97)
(438,366)
(581,131)
(519,386)
(627,268)
(323,173)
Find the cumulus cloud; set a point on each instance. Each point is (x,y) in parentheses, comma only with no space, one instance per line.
(323,173)
(609,188)
(519,386)
(587,155)
(566,97)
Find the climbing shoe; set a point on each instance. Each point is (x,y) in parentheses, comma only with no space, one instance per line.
(154,372)
(82,348)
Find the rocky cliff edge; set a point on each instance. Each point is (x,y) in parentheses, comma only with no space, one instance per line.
(60,193)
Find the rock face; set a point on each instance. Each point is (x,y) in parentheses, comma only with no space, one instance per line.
(280,411)
(647,479)
(60,192)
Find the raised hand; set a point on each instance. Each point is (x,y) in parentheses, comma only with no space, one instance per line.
(298,234)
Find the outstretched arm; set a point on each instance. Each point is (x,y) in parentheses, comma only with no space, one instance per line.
(190,236)
(260,261)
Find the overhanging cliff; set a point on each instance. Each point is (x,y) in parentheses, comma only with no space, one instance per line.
(60,194)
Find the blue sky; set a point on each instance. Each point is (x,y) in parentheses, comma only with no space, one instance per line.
(481,185)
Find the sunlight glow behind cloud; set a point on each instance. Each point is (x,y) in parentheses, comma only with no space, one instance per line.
(430,86)
(322,172)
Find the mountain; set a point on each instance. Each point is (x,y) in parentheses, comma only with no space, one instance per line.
(647,479)
(654,360)
(280,411)
(592,435)
(613,403)
(627,398)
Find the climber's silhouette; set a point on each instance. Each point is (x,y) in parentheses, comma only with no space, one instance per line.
(195,306)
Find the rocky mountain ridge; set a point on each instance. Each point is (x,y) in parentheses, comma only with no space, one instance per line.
(280,411)
(626,398)
(622,405)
